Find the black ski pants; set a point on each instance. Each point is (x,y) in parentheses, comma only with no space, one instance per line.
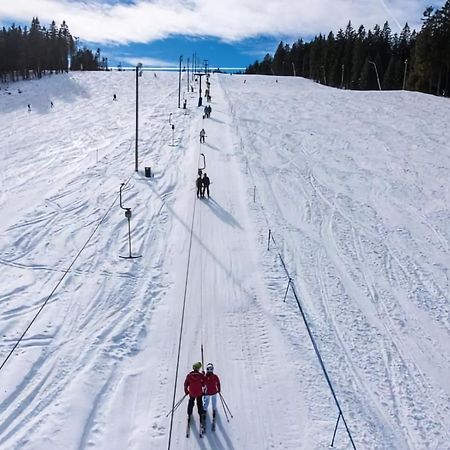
(199,405)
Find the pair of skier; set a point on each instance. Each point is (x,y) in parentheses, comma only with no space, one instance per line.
(202,185)
(201,388)
(207,112)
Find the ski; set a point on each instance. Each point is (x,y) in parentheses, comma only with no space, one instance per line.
(213,423)
(188,426)
(202,429)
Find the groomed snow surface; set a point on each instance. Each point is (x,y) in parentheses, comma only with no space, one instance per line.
(353,185)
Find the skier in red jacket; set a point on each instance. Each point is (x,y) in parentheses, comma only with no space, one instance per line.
(193,386)
(212,388)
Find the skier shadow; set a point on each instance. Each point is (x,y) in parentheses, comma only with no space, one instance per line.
(222,214)
(197,238)
(214,437)
(216,120)
(200,441)
(212,146)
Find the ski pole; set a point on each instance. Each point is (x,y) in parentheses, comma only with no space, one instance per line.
(224,410)
(174,408)
(177,404)
(221,396)
(203,364)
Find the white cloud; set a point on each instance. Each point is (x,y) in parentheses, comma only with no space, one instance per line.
(112,21)
(145,60)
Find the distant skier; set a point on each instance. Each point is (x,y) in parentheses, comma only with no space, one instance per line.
(51,104)
(212,388)
(29,107)
(184,104)
(114,98)
(199,185)
(202,136)
(205,112)
(205,184)
(209,110)
(193,386)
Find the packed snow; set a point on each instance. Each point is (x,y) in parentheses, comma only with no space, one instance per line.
(354,188)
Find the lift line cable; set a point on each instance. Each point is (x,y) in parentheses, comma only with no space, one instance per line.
(182,324)
(201,284)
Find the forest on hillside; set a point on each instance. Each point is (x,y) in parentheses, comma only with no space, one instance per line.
(32,52)
(373,59)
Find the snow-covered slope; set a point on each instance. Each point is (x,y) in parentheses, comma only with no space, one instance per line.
(354,186)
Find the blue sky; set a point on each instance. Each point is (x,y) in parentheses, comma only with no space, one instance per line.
(228,33)
(165,52)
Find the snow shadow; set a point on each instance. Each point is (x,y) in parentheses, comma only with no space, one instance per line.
(39,93)
(222,213)
(197,238)
(216,120)
(195,432)
(213,147)
(214,437)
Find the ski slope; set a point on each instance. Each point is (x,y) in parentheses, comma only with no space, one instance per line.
(354,187)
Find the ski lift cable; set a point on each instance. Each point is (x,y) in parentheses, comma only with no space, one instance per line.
(183,312)
(61,279)
(201,283)
(181,325)
(201,155)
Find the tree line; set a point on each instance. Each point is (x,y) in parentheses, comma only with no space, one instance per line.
(32,52)
(373,59)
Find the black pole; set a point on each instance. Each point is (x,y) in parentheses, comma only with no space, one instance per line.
(224,410)
(177,404)
(335,429)
(187,75)
(203,363)
(129,235)
(179,83)
(287,289)
(120,195)
(225,403)
(136,164)
(268,240)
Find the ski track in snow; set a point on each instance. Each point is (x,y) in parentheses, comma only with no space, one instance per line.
(352,185)
(378,304)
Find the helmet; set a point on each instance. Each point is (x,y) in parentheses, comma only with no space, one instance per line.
(210,367)
(197,366)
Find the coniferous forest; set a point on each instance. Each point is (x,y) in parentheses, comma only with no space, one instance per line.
(373,59)
(30,53)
